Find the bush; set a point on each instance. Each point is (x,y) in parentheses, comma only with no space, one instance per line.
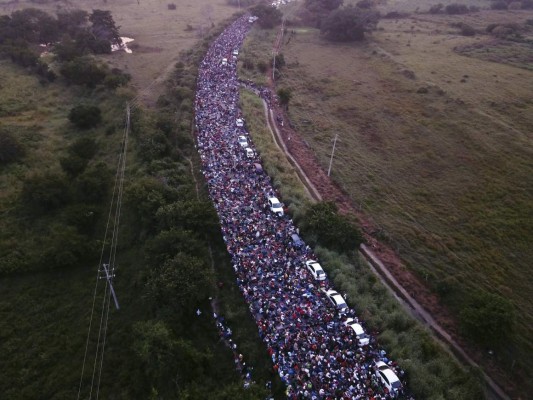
(515,5)
(85,117)
(455,9)
(436,9)
(498,5)
(473,9)
(268,16)
(487,318)
(330,229)
(10,148)
(349,24)
(83,71)
(467,30)
(262,67)
(73,165)
(42,193)
(84,147)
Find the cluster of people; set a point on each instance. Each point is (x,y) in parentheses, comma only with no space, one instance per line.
(312,350)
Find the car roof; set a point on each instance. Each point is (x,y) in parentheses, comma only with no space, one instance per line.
(391,376)
(273,199)
(358,329)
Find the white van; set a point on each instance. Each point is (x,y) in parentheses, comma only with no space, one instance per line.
(249,153)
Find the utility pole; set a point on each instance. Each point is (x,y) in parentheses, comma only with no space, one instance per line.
(109,277)
(332,153)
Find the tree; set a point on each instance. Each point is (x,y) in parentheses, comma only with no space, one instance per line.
(44,192)
(84,116)
(83,71)
(330,229)
(349,24)
(315,11)
(103,26)
(268,16)
(487,318)
(285,96)
(180,283)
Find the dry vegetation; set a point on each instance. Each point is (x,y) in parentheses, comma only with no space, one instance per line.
(435,147)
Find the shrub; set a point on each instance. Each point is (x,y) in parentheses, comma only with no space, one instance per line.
(84,147)
(473,9)
(93,185)
(85,117)
(248,64)
(42,193)
(467,30)
(83,71)
(73,165)
(436,9)
(171,6)
(515,5)
(498,5)
(455,9)
(10,148)
(332,230)
(487,318)
(262,67)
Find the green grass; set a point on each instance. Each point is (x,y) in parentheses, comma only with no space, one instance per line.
(284,177)
(448,187)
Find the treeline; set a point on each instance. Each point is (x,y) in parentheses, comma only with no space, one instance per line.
(71,36)
(336,22)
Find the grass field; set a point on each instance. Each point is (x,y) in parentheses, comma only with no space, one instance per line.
(160,34)
(435,147)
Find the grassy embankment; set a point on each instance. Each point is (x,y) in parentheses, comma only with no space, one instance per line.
(432,373)
(45,313)
(441,162)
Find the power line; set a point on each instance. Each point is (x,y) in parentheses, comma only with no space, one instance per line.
(106,269)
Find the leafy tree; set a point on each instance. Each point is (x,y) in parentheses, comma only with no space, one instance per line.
(71,22)
(84,147)
(170,242)
(73,165)
(180,283)
(349,24)
(169,361)
(455,8)
(103,27)
(84,116)
(199,216)
(268,16)
(66,247)
(93,185)
(285,95)
(315,11)
(83,71)
(10,148)
(323,5)
(46,192)
(330,229)
(487,318)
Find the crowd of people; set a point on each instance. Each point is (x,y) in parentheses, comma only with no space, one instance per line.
(314,353)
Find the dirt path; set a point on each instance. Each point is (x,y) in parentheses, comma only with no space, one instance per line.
(418,300)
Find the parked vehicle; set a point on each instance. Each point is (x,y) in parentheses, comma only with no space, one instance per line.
(239,122)
(297,240)
(362,338)
(249,153)
(243,141)
(316,270)
(336,299)
(388,378)
(275,206)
